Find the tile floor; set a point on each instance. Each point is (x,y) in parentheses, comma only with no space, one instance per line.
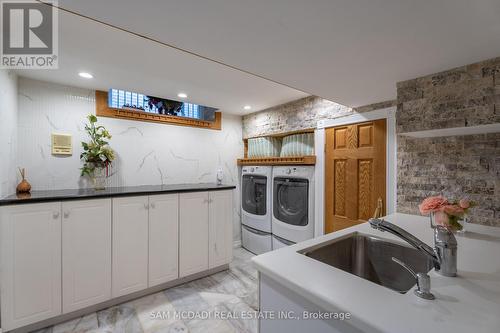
(221,294)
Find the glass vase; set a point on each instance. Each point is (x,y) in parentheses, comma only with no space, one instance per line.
(453,224)
(99,178)
(463,222)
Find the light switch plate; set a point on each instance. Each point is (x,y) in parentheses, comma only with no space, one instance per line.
(62,144)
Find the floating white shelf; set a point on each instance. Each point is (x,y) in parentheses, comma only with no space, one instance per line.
(456,131)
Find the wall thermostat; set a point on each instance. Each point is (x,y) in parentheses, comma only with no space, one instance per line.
(62,144)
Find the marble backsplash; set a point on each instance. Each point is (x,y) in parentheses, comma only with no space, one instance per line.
(147,153)
(8,132)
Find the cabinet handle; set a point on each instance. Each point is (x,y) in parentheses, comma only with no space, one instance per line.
(153,206)
(55,215)
(66,215)
(206,201)
(146,206)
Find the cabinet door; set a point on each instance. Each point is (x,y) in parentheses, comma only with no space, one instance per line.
(193,224)
(220,228)
(163,238)
(86,253)
(31,263)
(130,245)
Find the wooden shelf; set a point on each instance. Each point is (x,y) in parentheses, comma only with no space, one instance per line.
(295,160)
(455,131)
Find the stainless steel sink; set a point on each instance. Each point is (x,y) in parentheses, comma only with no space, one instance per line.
(371,258)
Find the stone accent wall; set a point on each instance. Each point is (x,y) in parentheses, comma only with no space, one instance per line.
(298,115)
(455,166)
(459,166)
(376,106)
(464,96)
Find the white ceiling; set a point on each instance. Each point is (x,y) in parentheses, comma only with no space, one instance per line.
(122,60)
(350,51)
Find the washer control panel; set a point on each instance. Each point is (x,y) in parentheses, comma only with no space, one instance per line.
(252,169)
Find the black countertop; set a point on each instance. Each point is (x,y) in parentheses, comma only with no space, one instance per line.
(79,194)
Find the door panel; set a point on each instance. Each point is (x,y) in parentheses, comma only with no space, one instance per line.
(86,249)
(221,228)
(365,189)
(130,245)
(30,263)
(354,173)
(163,238)
(339,199)
(193,233)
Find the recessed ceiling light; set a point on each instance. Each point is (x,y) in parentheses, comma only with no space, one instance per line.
(86,75)
(182,95)
(247,107)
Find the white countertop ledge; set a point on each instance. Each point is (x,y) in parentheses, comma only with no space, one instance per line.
(468,303)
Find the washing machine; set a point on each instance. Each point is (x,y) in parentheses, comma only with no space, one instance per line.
(256,214)
(293,204)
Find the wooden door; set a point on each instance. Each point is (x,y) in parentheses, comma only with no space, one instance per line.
(130,245)
(355,176)
(163,238)
(86,253)
(221,228)
(30,263)
(193,235)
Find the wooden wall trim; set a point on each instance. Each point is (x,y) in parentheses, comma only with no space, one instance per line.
(291,160)
(102,109)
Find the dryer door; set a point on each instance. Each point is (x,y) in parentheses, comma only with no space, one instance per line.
(291,200)
(254,195)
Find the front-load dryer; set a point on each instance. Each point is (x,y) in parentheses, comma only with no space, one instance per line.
(256,196)
(293,203)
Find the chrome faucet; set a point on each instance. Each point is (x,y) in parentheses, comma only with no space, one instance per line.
(444,253)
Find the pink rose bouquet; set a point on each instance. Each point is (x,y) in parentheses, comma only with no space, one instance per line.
(444,212)
(432,204)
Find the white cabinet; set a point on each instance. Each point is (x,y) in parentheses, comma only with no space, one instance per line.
(220,232)
(130,245)
(193,234)
(163,238)
(57,258)
(30,263)
(86,253)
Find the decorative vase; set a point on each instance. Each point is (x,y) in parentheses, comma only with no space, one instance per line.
(24,186)
(454,224)
(99,178)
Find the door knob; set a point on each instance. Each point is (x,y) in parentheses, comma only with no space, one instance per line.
(66,215)
(55,215)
